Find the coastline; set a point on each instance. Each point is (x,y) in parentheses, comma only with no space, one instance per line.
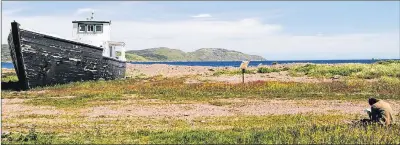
(202,98)
(228,74)
(209,73)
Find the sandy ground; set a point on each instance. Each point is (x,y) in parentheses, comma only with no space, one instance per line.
(274,76)
(11,108)
(205,73)
(235,107)
(166,70)
(231,107)
(5,70)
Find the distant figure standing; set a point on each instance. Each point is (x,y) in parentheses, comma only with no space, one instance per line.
(381,112)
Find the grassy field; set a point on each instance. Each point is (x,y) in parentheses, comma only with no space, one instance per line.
(271,129)
(276,129)
(379,69)
(364,71)
(176,89)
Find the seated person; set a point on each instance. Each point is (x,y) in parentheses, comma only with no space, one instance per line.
(380,112)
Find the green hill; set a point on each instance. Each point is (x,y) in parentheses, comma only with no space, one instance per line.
(159,54)
(204,54)
(167,54)
(219,54)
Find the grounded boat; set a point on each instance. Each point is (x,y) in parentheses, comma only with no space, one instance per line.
(41,59)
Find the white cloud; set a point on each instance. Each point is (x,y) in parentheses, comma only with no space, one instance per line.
(202,16)
(12,11)
(246,35)
(86,11)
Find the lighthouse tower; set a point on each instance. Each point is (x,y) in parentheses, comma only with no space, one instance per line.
(97,33)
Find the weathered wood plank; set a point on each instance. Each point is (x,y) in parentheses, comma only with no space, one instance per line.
(48,60)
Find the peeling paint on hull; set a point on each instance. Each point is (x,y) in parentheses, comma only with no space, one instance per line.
(42,60)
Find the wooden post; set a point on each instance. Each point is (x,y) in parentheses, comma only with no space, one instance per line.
(17,52)
(243,71)
(243,66)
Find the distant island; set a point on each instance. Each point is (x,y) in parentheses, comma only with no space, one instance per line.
(203,54)
(168,54)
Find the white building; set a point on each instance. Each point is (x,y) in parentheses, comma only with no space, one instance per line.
(97,33)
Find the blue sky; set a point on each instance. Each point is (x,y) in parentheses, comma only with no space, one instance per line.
(275,30)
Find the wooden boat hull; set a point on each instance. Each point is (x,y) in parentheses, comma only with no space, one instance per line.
(42,60)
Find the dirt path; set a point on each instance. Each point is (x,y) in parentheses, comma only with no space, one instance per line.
(15,107)
(232,107)
(166,70)
(282,76)
(224,107)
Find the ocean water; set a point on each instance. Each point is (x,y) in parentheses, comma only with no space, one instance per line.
(237,63)
(256,63)
(7,65)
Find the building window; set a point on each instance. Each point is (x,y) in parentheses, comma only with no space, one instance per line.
(90,28)
(82,28)
(99,28)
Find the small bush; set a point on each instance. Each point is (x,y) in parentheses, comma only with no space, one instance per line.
(306,69)
(343,71)
(32,137)
(267,70)
(285,69)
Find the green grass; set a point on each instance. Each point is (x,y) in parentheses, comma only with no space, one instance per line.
(352,88)
(175,89)
(267,70)
(271,129)
(390,68)
(75,102)
(9,77)
(233,72)
(364,71)
(328,71)
(249,71)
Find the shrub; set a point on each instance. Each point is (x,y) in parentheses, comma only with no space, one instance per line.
(343,71)
(306,68)
(285,69)
(267,70)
